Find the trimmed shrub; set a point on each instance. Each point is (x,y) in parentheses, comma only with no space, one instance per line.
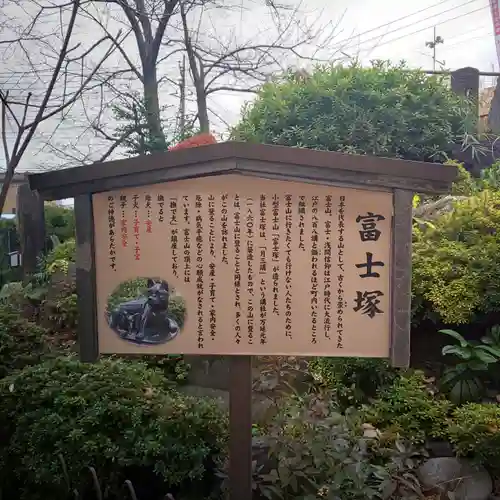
(114,416)
(383,110)
(409,409)
(475,432)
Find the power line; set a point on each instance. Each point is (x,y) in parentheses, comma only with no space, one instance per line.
(395,21)
(424,29)
(348,39)
(426,19)
(416,48)
(483,37)
(92,91)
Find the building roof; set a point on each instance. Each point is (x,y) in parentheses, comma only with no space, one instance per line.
(18,178)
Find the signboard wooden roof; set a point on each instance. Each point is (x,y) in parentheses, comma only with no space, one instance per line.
(309,255)
(247,159)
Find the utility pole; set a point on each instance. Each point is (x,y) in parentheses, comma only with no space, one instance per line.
(182,97)
(436,40)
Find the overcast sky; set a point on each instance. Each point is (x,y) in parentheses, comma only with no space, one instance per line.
(369,29)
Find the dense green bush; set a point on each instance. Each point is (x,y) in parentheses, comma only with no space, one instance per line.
(22,343)
(353,380)
(382,110)
(113,415)
(456,261)
(409,409)
(474,431)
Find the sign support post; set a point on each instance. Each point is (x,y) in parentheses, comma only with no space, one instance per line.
(240,428)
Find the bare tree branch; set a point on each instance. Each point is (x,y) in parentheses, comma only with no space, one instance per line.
(17,111)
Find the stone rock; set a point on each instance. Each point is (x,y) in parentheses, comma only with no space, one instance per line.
(465,480)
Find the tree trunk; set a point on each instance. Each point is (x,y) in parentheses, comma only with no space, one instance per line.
(201,101)
(152,104)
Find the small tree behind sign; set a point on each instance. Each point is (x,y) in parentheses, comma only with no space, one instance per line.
(244,250)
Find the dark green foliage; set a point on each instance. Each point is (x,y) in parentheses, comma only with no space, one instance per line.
(59,222)
(22,343)
(113,415)
(475,431)
(410,409)
(131,115)
(173,366)
(353,380)
(384,110)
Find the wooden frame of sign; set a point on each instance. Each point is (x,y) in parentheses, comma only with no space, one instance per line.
(332,208)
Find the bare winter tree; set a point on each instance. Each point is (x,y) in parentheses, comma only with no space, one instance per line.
(167,32)
(243,65)
(147,21)
(51,71)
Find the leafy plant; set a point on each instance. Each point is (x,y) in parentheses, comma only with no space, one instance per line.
(59,222)
(326,455)
(490,177)
(463,380)
(113,415)
(60,256)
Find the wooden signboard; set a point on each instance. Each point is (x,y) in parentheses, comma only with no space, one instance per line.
(242,250)
(255,267)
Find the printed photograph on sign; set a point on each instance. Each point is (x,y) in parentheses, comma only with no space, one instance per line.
(146,311)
